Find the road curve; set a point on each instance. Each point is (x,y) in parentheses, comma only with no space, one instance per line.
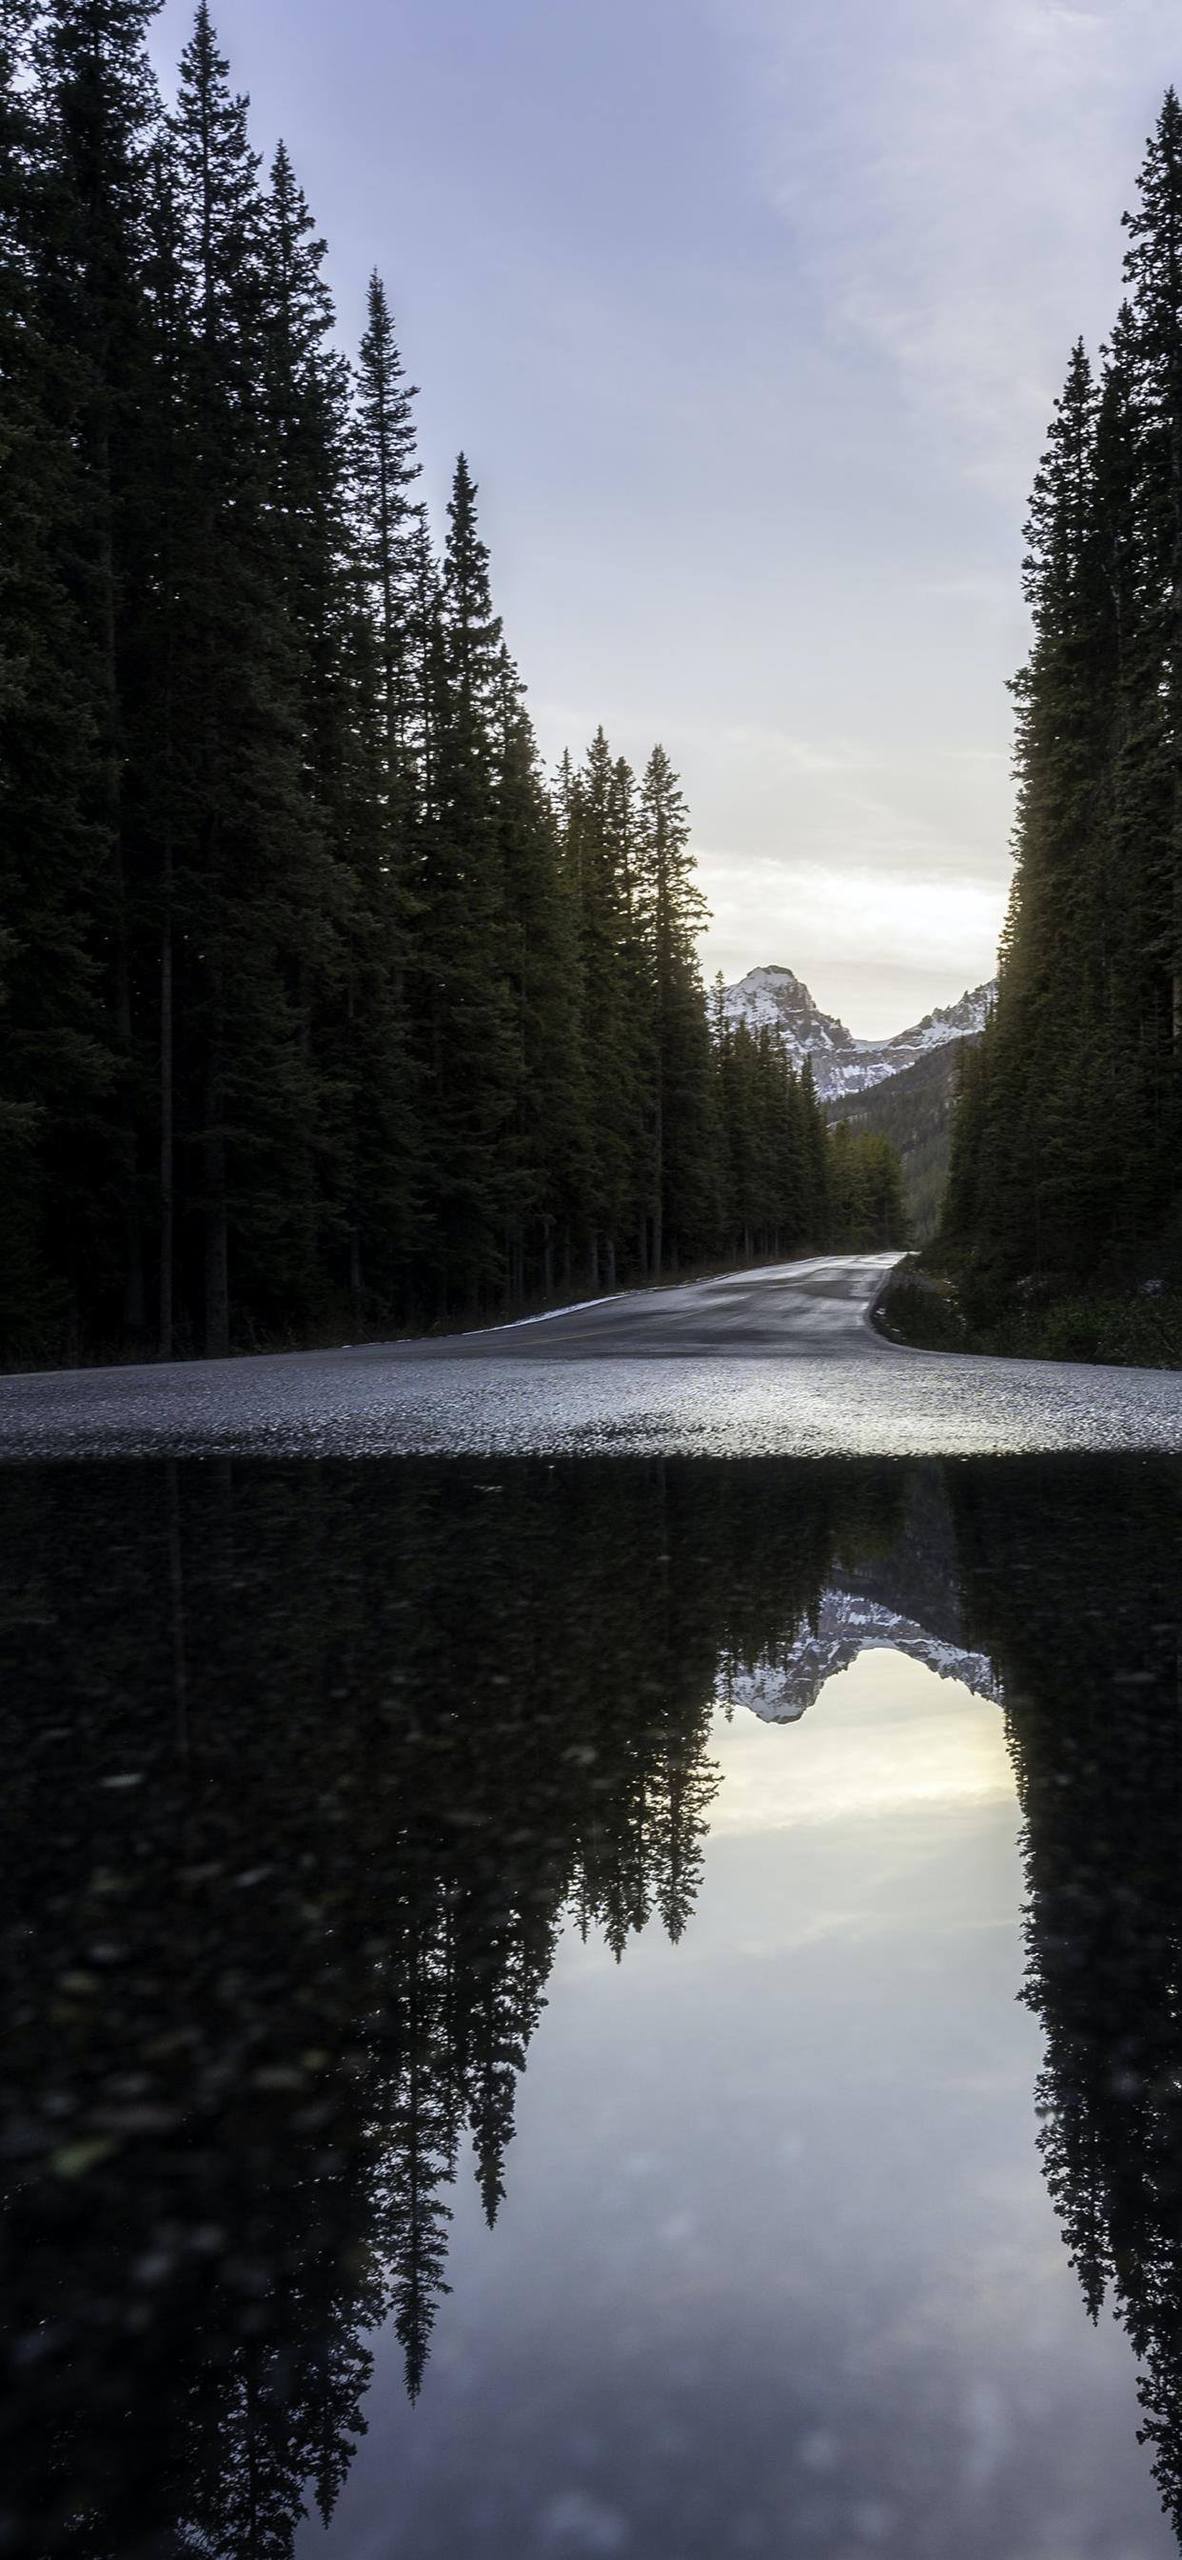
(790,1311)
(774,1362)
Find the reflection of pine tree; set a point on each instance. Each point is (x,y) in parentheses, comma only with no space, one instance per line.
(1084,1627)
(690,1786)
(496,2055)
(258,2488)
(421,2159)
(422,1725)
(336,2392)
(1073,2172)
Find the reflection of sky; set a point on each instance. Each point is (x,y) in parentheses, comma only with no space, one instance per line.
(750,314)
(777,2272)
(885,1736)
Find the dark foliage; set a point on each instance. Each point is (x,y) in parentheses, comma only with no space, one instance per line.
(914,1111)
(320,1011)
(333,1757)
(1067,1160)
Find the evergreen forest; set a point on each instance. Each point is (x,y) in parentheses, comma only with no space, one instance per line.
(322,1009)
(1067,1156)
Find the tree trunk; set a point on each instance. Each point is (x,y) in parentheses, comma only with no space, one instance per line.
(356,1284)
(134,1296)
(167,1215)
(134,1292)
(658,1191)
(217,1252)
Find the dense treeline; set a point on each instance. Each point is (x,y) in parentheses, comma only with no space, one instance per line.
(319,1007)
(1067,1161)
(914,1110)
(866,1190)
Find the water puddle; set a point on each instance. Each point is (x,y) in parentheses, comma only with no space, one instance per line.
(598,2007)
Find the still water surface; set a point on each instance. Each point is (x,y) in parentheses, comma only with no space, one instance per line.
(595,2008)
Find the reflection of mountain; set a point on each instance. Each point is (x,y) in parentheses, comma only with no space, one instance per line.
(307,1767)
(845,1624)
(896,1586)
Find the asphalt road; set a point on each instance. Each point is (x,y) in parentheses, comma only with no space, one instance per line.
(775,1362)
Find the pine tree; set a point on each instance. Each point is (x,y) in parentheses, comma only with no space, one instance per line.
(1047,1021)
(154,709)
(815,1152)
(672,912)
(469,1068)
(386,467)
(1066,1143)
(57,1059)
(1153,270)
(349,991)
(312,997)
(254,868)
(103,114)
(596,815)
(549,1138)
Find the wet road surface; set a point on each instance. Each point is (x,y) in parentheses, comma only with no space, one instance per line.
(776,1362)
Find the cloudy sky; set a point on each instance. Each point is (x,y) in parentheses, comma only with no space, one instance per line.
(749,314)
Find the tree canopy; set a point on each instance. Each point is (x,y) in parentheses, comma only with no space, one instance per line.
(321,1010)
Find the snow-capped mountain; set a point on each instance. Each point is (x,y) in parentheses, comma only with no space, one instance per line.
(780,1690)
(777,1000)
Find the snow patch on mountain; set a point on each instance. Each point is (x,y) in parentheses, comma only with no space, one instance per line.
(780,1688)
(776,1000)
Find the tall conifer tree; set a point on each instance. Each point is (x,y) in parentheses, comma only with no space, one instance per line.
(672,912)
(465,1013)
(386,468)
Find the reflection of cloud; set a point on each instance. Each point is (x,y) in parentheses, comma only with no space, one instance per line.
(884,1736)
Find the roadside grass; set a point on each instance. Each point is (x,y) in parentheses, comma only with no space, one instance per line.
(922,1309)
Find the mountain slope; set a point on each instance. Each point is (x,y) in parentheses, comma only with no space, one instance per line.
(914,1110)
(776,999)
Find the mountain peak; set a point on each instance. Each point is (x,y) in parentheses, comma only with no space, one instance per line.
(773,998)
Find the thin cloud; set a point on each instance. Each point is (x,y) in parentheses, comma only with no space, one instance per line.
(952,172)
(877,947)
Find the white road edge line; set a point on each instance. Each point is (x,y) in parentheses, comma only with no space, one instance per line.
(519,1322)
(616,1297)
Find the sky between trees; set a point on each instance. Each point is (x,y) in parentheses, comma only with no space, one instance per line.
(751,314)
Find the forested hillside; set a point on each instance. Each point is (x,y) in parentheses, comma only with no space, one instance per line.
(914,1112)
(319,1009)
(1067,1162)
